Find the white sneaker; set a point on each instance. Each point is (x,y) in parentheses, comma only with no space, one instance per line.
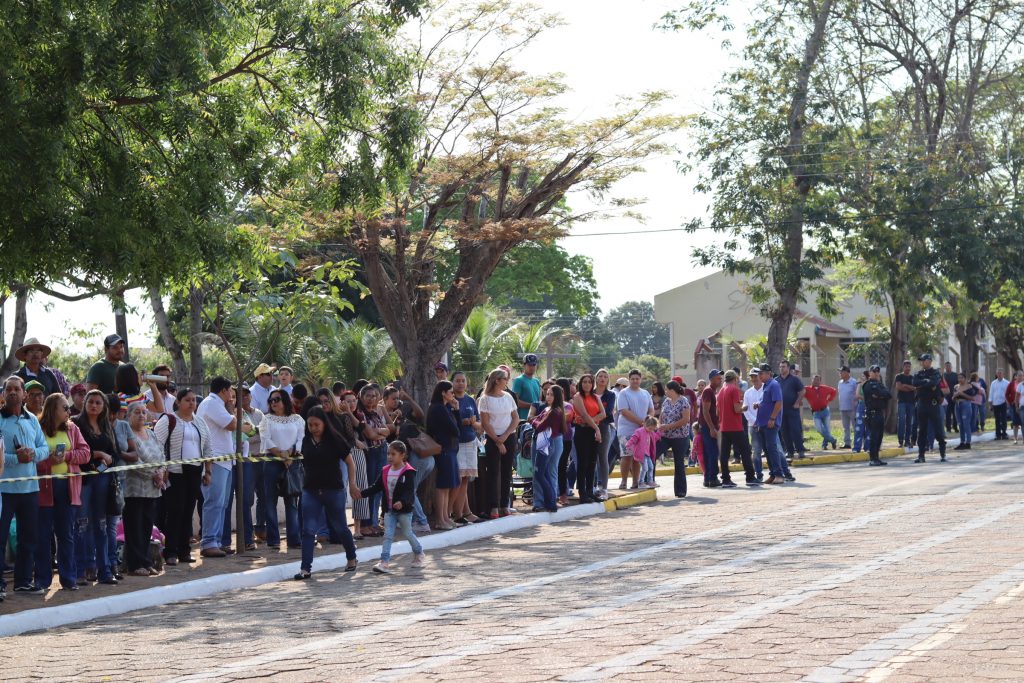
(382,567)
(421,528)
(417,560)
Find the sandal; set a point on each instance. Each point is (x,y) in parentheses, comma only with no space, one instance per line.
(351,566)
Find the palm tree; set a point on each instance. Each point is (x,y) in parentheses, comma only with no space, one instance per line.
(482,344)
(535,338)
(358,351)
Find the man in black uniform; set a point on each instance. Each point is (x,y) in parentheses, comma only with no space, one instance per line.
(876,401)
(928,381)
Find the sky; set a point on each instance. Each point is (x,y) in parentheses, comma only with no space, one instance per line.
(606,49)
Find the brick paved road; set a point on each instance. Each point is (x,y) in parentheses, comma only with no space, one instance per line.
(904,573)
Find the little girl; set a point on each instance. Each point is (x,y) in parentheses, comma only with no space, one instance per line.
(644,443)
(397,482)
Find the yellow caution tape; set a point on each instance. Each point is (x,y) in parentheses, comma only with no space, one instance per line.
(150,466)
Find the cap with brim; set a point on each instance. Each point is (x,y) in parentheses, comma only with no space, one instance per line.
(714,373)
(925,356)
(622,382)
(754,372)
(875,368)
(285,368)
(29,345)
(677,378)
(441,366)
(263,369)
(530,359)
(78,389)
(845,368)
(32,384)
(765,368)
(111,340)
(730,375)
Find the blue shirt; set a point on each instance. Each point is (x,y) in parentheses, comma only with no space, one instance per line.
(528,390)
(847,394)
(21,430)
(467,408)
(770,395)
(791,387)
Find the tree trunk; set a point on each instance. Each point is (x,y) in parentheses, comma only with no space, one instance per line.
(967,335)
(121,323)
(11,363)
(778,334)
(196,299)
(172,345)
(898,342)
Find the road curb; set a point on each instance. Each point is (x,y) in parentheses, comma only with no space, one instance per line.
(62,615)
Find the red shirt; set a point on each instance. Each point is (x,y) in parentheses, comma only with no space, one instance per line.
(818,397)
(707,400)
(728,397)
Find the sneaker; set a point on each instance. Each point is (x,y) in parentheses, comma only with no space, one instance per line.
(789,477)
(760,477)
(753,482)
(31,589)
(417,561)
(729,484)
(919,459)
(382,567)
(713,485)
(421,528)
(875,463)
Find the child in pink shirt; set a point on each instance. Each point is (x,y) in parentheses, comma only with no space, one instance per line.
(644,444)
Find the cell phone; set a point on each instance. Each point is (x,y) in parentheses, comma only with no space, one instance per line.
(61,447)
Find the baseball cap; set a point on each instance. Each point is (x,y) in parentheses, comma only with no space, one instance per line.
(875,368)
(32,384)
(845,368)
(622,382)
(730,375)
(925,356)
(714,373)
(111,340)
(78,389)
(754,371)
(677,378)
(765,368)
(530,359)
(441,366)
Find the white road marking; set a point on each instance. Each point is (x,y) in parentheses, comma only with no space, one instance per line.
(875,660)
(763,608)
(565,623)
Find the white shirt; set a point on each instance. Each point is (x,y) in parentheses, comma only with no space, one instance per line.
(217,418)
(260,396)
(750,397)
(168,401)
(190,441)
(282,432)
(997,391)
(499,410)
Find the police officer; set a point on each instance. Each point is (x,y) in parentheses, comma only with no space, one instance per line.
(927,383)
(876,402)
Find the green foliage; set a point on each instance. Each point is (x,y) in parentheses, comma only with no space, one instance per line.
(654,369)
(486,341)
(634,330)
(544,273)
(357,351)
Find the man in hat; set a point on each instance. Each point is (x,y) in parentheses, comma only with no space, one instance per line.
(792,427)
(927,383)
(285,377)
(35,394)
(876,405)
(101,374)
(441,372)
(33,355)
(526,386)
(260,391)
(734,434)
(77,393)
(769,412)
(707,420)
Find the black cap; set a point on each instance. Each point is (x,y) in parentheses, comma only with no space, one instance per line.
(714,373)
(765,368)
(875,368)
(925,356)
(111,340)
(845,368)
(530,359)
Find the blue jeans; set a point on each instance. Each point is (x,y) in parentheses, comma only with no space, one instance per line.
(756,451)
(59,520)
(773,450)
(248,498)
(545,476)
(423,467)
(271,472)
(977,417)
(391,521)
(319,505)
(376,458)
(821,423)
(964,415)
(905,429)
(25,508)
(710,456)
(792,431)
(860,439)
(91,541)
(215,500)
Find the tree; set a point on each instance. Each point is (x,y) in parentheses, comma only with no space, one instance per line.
(545,277)
(488,173)
(358,351)
(757,154)
(634,330)
(654,368)
(484,342)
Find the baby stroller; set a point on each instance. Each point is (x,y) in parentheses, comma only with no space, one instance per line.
(522,478)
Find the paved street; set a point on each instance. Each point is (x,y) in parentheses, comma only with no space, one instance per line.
(904,573)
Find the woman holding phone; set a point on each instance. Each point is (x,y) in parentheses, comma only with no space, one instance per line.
(59,499)
(91,560)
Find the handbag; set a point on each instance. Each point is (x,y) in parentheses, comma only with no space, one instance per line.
(115,496)
(289,482)
(424,445)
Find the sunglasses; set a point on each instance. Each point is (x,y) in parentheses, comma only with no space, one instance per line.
(276,399)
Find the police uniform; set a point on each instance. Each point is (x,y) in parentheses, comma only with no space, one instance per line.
(927,382)
(876,402)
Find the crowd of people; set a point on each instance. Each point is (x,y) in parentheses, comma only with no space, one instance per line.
(176,455)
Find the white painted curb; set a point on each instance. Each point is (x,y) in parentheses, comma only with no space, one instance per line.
(62,615)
